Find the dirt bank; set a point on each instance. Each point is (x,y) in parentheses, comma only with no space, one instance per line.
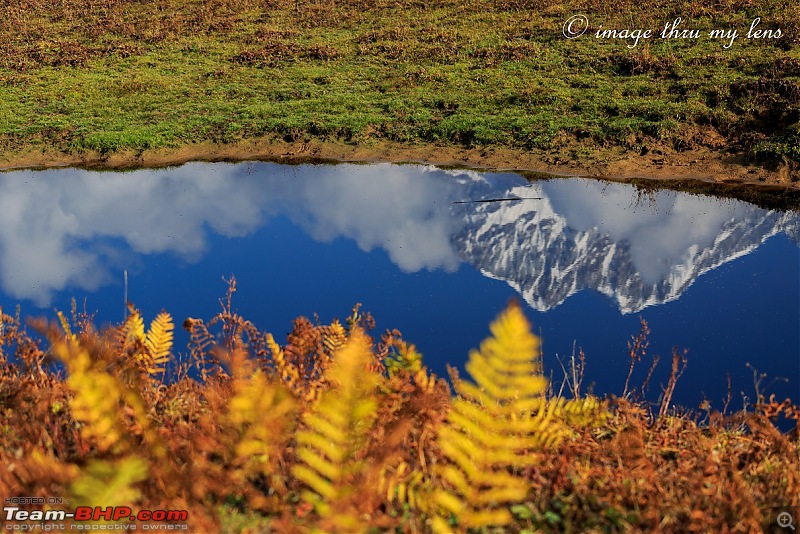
(700,171)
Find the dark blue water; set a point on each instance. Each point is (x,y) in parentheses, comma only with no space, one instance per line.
(718,278)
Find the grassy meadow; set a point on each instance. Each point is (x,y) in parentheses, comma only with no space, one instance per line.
(111,75)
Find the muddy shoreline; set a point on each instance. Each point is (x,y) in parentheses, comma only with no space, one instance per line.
(701,171)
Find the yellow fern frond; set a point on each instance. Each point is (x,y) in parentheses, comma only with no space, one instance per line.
(65,326)
(334,336)
(106,484)
(96,399)
(335,430)
(159,342)
(405,358)
(390,478)
(287,373)
(99,398)
(260,412)
(585,412)
(133,328)
(491,426)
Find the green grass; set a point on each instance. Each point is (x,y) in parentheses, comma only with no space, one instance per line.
(109,75)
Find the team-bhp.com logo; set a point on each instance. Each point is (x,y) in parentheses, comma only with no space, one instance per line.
(153,519)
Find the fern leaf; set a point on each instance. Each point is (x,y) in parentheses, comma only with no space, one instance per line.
(334,336)
(449,502)
(260,412)
(492,423)
(406,486)
(104,483)
(323,443)
(159,342)
(97,396)
(316,481)
(335,431)
(133,328)
(586,412)
(65,326)
(405,357)
(286,372)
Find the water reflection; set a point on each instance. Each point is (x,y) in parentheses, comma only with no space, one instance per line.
(589,258)
(76,229)
(590,235)
(70,228)
(407,214)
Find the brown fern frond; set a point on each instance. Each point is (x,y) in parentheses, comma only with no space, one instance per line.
(201,340)
(363,320)
(34,473)
(25,349)
(308,354)
(256,343)
(301,349)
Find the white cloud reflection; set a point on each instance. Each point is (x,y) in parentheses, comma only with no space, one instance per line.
(405,213)
(65,228)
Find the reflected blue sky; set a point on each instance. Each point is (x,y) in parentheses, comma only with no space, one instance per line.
(720,278)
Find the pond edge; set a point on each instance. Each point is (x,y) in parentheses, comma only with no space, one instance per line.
(700,172)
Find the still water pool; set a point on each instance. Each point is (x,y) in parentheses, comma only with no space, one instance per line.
(589,260)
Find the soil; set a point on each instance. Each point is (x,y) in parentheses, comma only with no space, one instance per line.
(702,167)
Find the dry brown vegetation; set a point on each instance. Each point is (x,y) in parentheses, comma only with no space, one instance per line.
(338,432)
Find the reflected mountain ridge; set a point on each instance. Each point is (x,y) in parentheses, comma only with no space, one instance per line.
(546,258)
(73,228)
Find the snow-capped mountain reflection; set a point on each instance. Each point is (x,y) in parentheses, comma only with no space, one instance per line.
(585,234)
(73,228)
